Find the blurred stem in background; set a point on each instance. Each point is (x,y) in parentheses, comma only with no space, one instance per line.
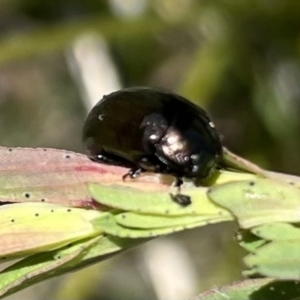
(92,68)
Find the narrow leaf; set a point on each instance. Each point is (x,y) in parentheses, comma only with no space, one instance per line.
(27,228)
(142,221)
(41,266)
(110,226)
(277,231)
(160,203)
(278,259)
(38,267)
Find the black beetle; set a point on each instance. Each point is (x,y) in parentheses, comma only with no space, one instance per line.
(154,130)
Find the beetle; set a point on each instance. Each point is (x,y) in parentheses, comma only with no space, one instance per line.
(150,129)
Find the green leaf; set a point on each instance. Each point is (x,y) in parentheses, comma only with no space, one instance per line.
(258,201)
(142,221)
(278,259)
(38,267)
(158,203)
(41,266)
(110,226)
(277,231)
(27,228)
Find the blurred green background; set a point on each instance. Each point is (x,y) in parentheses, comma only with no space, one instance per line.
(238,59)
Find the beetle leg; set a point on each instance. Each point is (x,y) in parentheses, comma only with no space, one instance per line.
(178,183)
(132,173)
(181,199)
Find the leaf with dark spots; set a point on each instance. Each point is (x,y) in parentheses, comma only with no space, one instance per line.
(56,176)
